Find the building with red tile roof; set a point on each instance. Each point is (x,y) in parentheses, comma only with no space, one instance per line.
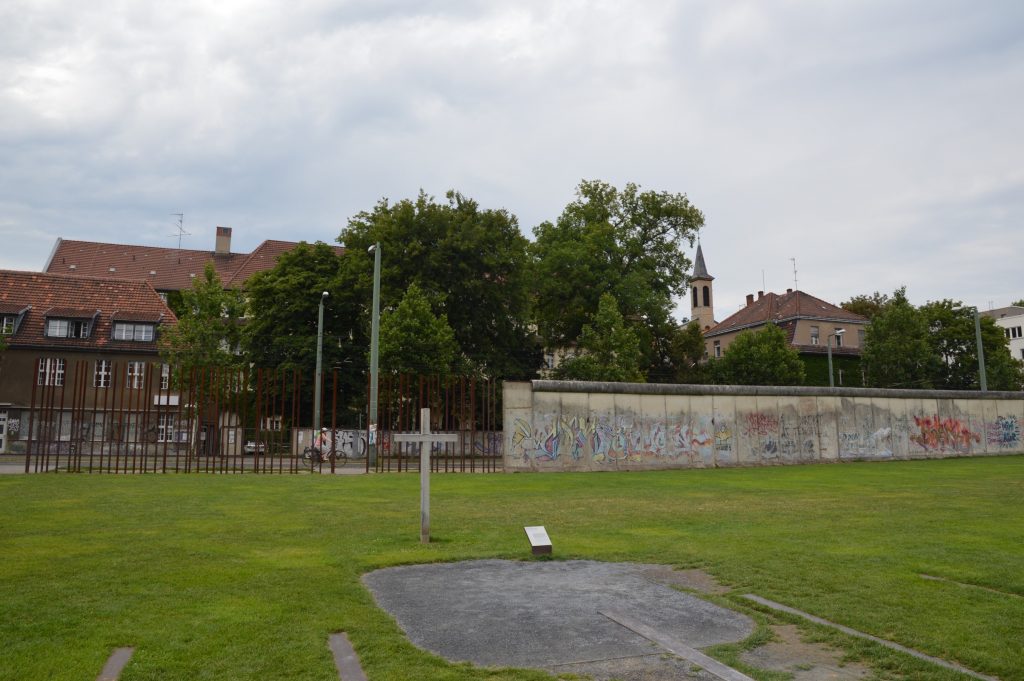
(167,269)
(56,324)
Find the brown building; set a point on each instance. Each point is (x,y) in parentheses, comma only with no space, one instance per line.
(811,324)
(97,334)
(167,269)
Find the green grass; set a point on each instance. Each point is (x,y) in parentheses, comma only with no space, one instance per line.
(244,576)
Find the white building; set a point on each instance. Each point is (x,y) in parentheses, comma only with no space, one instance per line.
(1012,320)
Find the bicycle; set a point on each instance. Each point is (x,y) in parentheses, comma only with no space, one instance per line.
(312,457)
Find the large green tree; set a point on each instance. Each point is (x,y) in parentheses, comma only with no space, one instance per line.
(284,301)
(415,341)
(953,340)
(608,349)
(762,357)
(624,242)
(467,261)
(896,351)
(1018,303)
(208,332)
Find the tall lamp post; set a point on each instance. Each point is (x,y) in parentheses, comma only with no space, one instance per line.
(374,352)
(828,343)
(319,364)
(982,378)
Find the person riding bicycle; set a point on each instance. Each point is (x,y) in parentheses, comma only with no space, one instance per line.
(320,443)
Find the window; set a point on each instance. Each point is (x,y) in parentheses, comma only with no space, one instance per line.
(51,371)
(695,296)
(1022,353)
(718,348)
(165,428)
(136,374)
(815,335)
(67,328)
(1013,332)
(6,325)
(165,376)
(133,332)
(860,337)
(707,296)
(272,423)
(839,338)
(101,377)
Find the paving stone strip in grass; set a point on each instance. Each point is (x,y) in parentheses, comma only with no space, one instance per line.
(118,659)
(345,658)
(859,634)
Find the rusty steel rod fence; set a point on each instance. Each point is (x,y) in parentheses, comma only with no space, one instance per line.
(146,417)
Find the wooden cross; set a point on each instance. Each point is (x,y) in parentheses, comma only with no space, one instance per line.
(425,438)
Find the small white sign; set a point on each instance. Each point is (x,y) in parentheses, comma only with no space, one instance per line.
(539,540)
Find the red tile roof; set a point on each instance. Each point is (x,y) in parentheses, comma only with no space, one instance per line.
(60,295)
(783,308)
(167,269)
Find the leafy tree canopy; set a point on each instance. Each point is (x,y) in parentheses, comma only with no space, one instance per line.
(623,242)
(284,303)
(469,263)
(687,354)
(208,332)
(867,305)
(415,341)
(1019,303)
(896,351)
(762,357)
(608,350)
(951,335)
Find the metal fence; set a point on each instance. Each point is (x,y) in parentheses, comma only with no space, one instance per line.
(135,417)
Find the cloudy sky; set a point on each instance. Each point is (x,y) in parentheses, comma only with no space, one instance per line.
(878,143)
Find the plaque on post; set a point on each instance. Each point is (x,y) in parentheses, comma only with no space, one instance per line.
(540,543)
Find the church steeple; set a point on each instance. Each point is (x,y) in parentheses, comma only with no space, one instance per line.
(702,301)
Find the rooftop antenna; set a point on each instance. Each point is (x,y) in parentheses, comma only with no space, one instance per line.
(763,286)
(795,285)
(181,228)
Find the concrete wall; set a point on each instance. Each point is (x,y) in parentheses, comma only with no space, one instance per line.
(578,426)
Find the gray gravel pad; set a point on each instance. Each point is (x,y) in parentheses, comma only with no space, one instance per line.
(544,614)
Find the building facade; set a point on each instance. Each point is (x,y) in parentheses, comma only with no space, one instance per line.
(1011,319)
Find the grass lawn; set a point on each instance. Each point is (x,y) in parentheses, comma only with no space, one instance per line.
(244,576)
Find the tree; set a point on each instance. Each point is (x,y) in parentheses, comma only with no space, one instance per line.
(284,303)
(626,243)
(469,263)
(208,332)
(608,350)
(951,335)
(762,357)
(413,340)
(896,351)
(1019,303)
(687,354)
(867,305)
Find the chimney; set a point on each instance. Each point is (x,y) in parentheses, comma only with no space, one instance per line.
(750,299)
(223,243)
(789,290)
(760,295)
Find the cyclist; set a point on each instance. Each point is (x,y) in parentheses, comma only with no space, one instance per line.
(320,444)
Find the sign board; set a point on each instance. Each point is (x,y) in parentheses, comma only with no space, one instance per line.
(540,543)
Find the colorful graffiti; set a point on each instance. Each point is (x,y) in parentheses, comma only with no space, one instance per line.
(1004,432)
(937,435)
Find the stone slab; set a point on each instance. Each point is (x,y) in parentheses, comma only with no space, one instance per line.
(543,614)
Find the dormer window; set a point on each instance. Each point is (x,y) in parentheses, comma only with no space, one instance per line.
(7,325)
(67,328)
(133,331)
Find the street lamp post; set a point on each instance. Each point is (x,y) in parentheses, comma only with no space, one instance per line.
(374,352)
(828,343)
(982,378)
(319,364)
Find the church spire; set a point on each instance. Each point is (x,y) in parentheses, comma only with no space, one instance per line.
(700,270)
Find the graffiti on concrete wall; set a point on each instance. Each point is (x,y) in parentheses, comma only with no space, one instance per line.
(866,443)
(1004,432)
(936,434)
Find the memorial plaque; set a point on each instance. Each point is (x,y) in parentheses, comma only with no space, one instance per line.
(540,543)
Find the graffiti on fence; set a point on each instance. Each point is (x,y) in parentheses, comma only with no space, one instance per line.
(1004,432)
(937,434)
